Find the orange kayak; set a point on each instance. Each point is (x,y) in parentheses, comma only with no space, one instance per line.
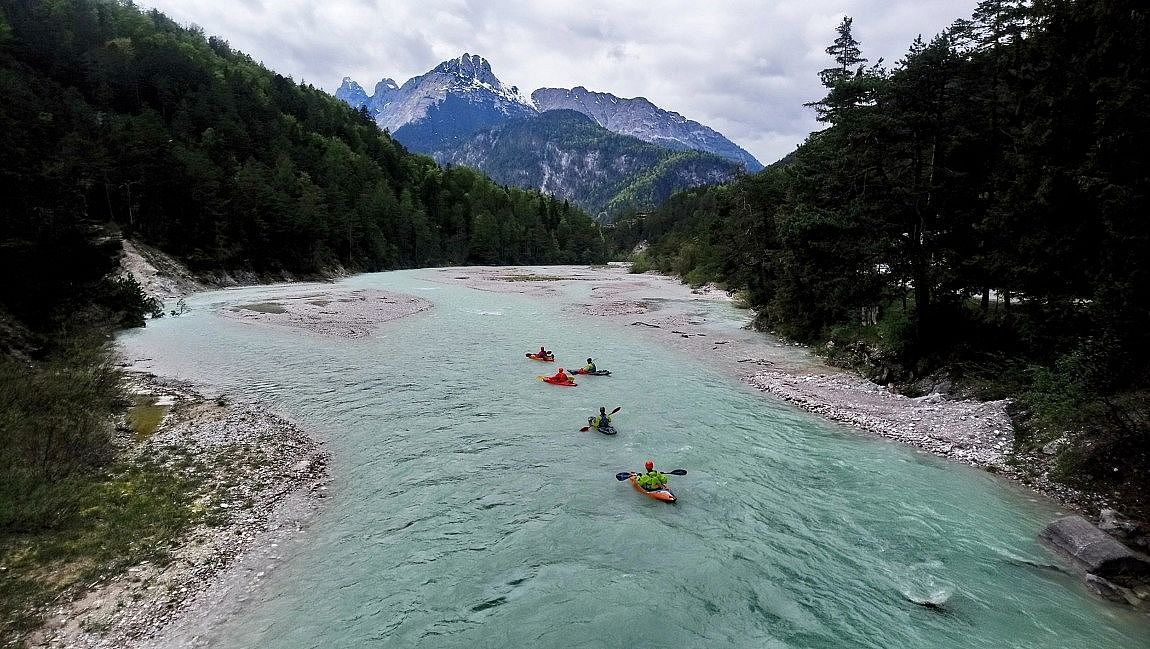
(548,379)
(545,359)
(663,494)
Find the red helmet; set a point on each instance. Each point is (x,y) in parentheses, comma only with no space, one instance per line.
(649,464)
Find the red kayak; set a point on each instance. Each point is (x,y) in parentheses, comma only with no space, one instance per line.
(545,359)
(663,494)
(553,381)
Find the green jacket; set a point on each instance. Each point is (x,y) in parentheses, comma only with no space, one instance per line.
(652,480)
(595,422)
(589,367)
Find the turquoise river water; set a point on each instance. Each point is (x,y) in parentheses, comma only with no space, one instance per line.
(468,511)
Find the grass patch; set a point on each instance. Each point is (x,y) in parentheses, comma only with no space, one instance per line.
(105,521)
(265,307)
(641,263)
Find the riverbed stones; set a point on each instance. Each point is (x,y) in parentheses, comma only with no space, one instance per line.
(262,471)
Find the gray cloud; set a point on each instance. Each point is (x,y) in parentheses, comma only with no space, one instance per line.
(743,67)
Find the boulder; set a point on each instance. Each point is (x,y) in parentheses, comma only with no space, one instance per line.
(1096,552)
(1114,524)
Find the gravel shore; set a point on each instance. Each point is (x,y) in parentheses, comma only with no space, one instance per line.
(267,479)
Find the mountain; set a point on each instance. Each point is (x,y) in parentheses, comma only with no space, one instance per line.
(640,118)
(438,109)
(565,153)
(588,147)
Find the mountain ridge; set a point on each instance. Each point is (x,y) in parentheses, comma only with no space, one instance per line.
(415,115)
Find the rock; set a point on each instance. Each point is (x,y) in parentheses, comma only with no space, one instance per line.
(1104,587)
(1052,448)
(1113,523)
(1095,552)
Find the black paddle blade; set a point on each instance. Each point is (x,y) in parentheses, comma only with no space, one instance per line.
(622,476)
(677,472)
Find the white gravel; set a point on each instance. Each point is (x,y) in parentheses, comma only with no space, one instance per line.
(268,478)
(352,314)
(978,433)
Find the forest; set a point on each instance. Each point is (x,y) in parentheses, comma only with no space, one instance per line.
(119,123)
(972,217)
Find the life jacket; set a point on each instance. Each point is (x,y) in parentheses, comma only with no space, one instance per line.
(589,367)
(599,419)
(652,480)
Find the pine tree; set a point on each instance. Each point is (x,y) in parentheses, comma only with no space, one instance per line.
(846,53)
(848,83)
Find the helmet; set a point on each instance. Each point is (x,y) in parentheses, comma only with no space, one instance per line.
(649,464)
(602,408)
(560,369)
(588,360)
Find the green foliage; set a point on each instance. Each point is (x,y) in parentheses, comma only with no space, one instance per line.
(977,209)
(100,522)
(117,116)
(54,421)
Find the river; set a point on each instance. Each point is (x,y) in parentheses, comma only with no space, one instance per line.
(469,511)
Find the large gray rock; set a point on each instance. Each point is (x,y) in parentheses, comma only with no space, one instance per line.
(1096,552)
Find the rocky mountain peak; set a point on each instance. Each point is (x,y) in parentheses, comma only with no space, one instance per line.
(386,86)
(352,93)
(468,67)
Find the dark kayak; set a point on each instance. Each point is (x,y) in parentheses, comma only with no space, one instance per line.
(595,373)
(609,430)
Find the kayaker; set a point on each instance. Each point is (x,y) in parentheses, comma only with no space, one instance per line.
(561,377)
(589,368)
(652,479)
(543,353)
(602,422)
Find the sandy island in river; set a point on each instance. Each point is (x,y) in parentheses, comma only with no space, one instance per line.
(344,314)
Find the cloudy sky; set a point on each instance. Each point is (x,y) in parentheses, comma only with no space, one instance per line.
(743,67)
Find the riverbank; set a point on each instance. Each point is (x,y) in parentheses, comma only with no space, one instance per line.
(261,479)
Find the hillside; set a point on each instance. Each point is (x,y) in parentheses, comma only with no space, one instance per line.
(565,153)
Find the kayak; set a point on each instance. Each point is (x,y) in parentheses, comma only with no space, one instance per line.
(609,430)
(545,359)
(548,379)
(663,494)
(595,373)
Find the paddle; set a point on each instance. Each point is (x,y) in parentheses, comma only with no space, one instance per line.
(587,428)
(627,474)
